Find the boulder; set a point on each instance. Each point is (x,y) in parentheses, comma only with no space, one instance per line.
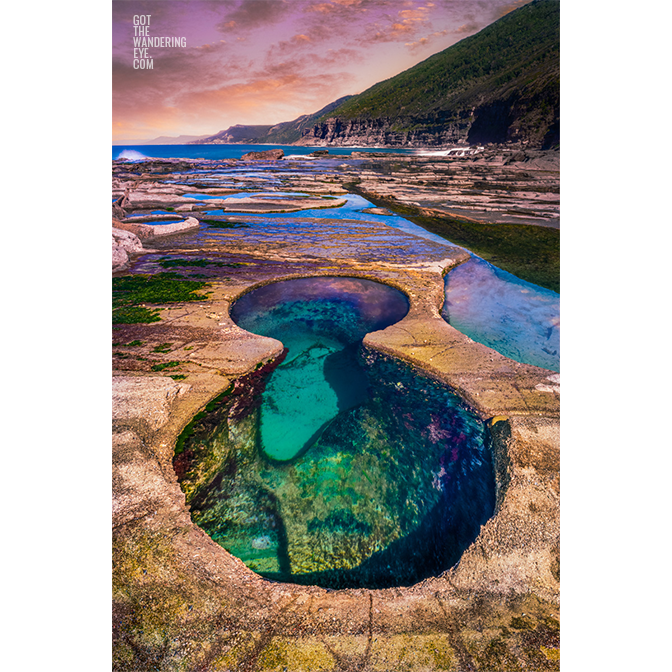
(176,227)
(144,231)
(118,206)
(119,256)
(266,155)
(124,243)
(516,157)
(117,210)
(140,231)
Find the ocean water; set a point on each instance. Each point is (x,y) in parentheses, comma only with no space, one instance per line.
(140,152)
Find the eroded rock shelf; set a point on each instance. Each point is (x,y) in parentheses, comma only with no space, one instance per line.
(181,601)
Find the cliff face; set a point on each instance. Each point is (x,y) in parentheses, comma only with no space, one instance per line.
(503,122)
(384,131)
(509,121)
(500,85)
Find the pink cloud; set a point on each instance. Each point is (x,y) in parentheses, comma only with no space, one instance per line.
(255,13)
(276,60)
(425,41)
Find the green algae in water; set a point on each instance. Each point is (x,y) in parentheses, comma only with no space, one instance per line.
(392,489)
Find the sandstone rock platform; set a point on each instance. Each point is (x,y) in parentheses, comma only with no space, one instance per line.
(182,602)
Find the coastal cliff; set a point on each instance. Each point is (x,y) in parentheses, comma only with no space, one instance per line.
(501,85)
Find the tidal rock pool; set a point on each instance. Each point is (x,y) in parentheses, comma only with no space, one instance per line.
(518,319)
(338,466)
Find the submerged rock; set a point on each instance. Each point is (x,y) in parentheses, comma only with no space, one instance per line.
(390,493)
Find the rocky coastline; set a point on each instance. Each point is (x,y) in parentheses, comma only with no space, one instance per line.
(180,601)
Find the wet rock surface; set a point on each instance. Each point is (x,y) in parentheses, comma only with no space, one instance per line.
(180,600)
(498,186)
(265,155)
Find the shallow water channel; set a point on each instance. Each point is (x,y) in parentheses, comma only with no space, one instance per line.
(338,466)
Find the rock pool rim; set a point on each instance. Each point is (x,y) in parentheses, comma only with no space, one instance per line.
(355,275)
(501,418)
(360,275)
(470,404)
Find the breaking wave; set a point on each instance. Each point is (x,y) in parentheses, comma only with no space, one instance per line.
(132,155)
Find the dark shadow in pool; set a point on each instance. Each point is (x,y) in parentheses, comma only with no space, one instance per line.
(344,372)
(433,547)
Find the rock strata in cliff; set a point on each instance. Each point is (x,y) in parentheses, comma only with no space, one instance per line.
(361,132)
(501,85)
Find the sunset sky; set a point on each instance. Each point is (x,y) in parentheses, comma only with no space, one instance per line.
(268,61)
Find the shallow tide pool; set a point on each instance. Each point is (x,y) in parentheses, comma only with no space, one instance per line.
(514,317)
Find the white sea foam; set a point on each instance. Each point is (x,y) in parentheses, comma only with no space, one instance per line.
(132,155)
(440,152)
(451,151)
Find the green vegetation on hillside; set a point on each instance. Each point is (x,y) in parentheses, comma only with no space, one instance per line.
(506,76)
(498,85)
(513,52)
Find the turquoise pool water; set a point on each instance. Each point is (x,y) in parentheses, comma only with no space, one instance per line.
(387,488)
(321,322)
